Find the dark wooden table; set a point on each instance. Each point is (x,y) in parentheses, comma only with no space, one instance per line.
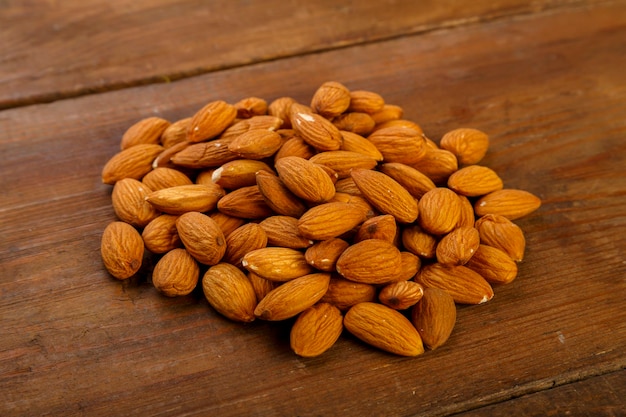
(546,79)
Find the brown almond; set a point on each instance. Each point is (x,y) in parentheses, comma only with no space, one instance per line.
(343,293)
(411,264)
(510,203)
(434,317)
(467,217)
(161,177)
(440,209)
(323,255)
(316,330)
(246,203)
(474,180)
(384,328)
(210,121)
(502,233)
(175,133)
(493,264)
(229,292)
(250,106)
(277,196)
(458,246)
(186,198)
(226,223)
(202,155)
(160,235)
(176,273)
(129,202)
(347,186)
(276,264)
(399,123)
(381,227)
(371,261)
(261,286)
(202,237)
(281,108)
(295,146)
(134,162)
(256,144)
(436,164)
(387,113)
(468,145)
(398,144)
(315,130)
(354,142)
(401,295)
(386,194)
(283,231)
(330,99)
(238,173)
(343,162)
(357,122)
(463,284)
(329,220)
(419,242)
(145,131)
(305,179)
(122,250)
(416,183)
(242,240)
(365,101)
(293,297)
(164,159)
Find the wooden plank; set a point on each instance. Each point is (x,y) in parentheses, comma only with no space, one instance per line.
(550,91)
(52,50)
(604,395)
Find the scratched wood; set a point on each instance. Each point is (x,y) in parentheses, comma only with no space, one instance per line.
(55,49)
(550,90)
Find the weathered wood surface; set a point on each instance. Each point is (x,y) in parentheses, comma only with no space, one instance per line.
(549,88)
(57,49)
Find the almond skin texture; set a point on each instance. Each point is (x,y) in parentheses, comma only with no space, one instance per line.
(419,242)
(238,173)
(256,144)
(371,261)
(474,180)
(176,273)
(399,144)
(493,264)
(210,121)
(175,133)
(129,202)
(463,284)
(122,250)
(162,177)
(343,293)
(134,162)
(356,122)
(148,130)
(242,240)
(379,227)
(323,255)
(229,292)
(342,162)
(468,145)
(353,142)
(276,264)
(365,101)
(329,220)
(384,328)
(411,264)
(437,164)
(316,131)
(502,233)
(281,108)
(467,217)
(209,154)
(434,317)
(401,295)
(261,286)
(416,183)
(160,235)
(331,99)
(305,179)
(250,106)
(316,330)
(440,209)
(386,194)
(510,203)
(458,246)
(246,203)
(277,196)
(202,237)
(293,297)
(185,198)
(283,231)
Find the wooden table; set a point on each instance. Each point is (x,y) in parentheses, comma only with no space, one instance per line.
(545,79)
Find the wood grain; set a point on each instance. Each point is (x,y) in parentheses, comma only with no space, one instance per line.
(549,89)
(51,50)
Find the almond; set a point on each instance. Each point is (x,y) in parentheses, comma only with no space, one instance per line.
(331,99)
(246,203)
(419,242)
(387,113)
(474,180)
(176,273)
(256,144)
(371,261)
(384,328)
(365,101)
(238,173)
(493,264)
(401,295)
(416,183)
(134,162)
(398,144)
(343,162)
(468,145)
(295,146)
(283,231)
(329,220)
(436,164)
(129,202)
(510,203)
(202,237)
(354,142)
(440,209)
(458,246)
(161,177)
(122,250)
(305,179)
(214,153)
(242,240)
(261,286)
(401,124)
(502,233)
(323,255)
(210,121)
(277,196)
(226,223)
(276,264)
(292,297)
(462,283)
(344,293)
(316,130)
(386,194)
(281,108)
(164,159)
(229,292)
(250,106)
(160,235)
(316,330)
(411,264)
(175,133)
(357,122)
(186,198)
(145,131)
(379,227)
(434,317)
(347,186)
(467,217)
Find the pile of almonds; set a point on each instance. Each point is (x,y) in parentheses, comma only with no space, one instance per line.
(340,214)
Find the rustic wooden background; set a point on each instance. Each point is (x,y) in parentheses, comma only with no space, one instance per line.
(545,79)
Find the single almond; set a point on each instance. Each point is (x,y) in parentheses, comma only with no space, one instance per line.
(122,249)
(398,144)
(329,220)
(474,180)
(323,255)
(510,203)
(246,203)
(365,101)
(261,286)
(175,133)
(256,144)
(281,108)
(343,293)
(419,242)
(411,265)
(381,227)
(467,216)
(226,223)
(468,145)
(209,154)
(354,142)
(305,179)
(371,261)
(129,202)
(161,177)
(343,162)
(384,328)
(242,240)
(416,183)
(210,121)
(283,231)
(357,122)
(434,317)
(277,196)
(463,284)
(276,264)
(315,130)
(330,99)
(401,295)
(202,237)
(458,246)
(440,209)
(186,198)
(316,330)
(229,292)
(134,162)
(160,235)
(295,146)
(498,231)
(436,164)
(176,273)
(493,264)
(250,106)
(388,113)
(145,131)
(238,173)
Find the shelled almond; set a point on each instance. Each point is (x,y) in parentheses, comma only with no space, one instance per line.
(338,213)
